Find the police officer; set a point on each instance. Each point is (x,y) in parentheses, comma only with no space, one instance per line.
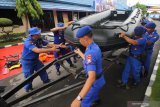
(152,36)
(93,66)
(30,56)
(133,63)
(59,39)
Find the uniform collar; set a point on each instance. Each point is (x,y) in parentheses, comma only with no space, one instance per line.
(30,38)
(155,31)
(90,45)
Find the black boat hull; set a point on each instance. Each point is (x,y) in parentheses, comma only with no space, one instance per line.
(106,27)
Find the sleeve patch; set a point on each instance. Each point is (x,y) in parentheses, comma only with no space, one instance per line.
(31,42)
(89,59)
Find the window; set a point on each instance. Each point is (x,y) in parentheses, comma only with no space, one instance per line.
(11,14)
(75,16)
(70,18)
(90,13)
(82,14)
(60,16)
(46,22)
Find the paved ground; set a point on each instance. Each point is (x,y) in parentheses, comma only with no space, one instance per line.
(111,95)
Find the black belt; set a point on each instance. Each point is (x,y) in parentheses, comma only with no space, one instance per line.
(138,57)
(135,56)
(98,76)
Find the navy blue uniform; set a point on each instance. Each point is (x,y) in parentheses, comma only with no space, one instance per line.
(133,63)
(93,62)
(152,37)
(30,60)
(58,39)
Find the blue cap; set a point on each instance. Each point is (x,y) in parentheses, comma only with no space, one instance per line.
(34,31)
(139,31)
(83,31)
(151,25)
(60,24)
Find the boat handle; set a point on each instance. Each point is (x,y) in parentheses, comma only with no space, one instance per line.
(133,19)
(78,26)
(73,26)
(125,30)
(105,27)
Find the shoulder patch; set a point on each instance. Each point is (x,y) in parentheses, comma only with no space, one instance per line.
(89,59)
(31,42)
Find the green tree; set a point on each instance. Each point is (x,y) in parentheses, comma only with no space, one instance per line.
(27,8)
(142,7)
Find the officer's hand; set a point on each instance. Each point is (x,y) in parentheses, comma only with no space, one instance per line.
(69,23)
(76,103)
(63,28)
(122,35)
(54,48)
(62,46)
(77,51)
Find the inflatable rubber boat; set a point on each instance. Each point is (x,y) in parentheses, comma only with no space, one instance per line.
(106,27)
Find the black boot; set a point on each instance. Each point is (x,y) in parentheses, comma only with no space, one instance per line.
(47,81)
(145,74)
(134,84)
(122,85)
(58,73)
(30,89)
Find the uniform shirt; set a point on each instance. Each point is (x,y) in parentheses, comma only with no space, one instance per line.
(29,44)
(93,61)
(138,49)
(153,37)
(59,37)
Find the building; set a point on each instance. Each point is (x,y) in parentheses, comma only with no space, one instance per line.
(154,12)
(54,11)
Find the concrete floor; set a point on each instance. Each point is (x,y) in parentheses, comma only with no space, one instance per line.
(111,95)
